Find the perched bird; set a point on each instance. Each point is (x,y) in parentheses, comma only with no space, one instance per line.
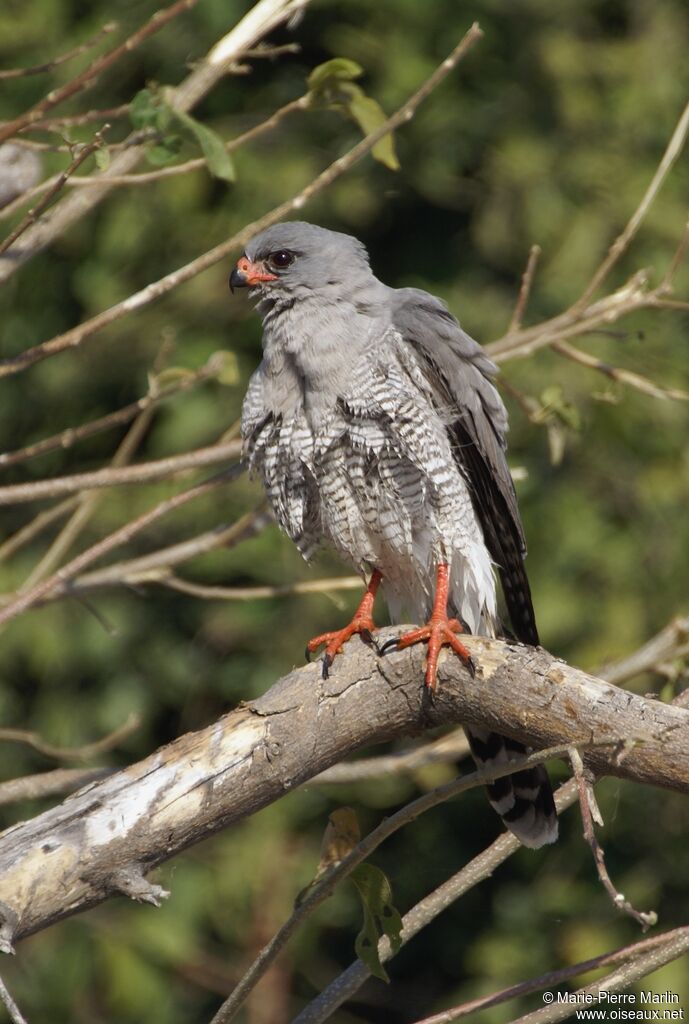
(375,426)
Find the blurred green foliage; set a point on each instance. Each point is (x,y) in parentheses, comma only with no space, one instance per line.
(549,132)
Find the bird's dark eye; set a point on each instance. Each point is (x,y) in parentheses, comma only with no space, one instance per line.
(281,259)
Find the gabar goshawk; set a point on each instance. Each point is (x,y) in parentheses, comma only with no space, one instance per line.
(375,426)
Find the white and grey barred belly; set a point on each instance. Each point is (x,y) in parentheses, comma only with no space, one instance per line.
(374,477)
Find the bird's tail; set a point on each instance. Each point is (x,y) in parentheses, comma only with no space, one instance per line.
(523,800)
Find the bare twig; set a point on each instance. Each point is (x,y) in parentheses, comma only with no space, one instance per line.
(37,525)
(33,214)
(589,814)
(548,981)
(96,68)
(156,469)
(621,243)
(153,291)
(477,870)
(255,593)
(635,380)
(261,19)
(525,289)
(122,536)
(155,566)
(323,888)
(453,747)
(10,1005)
(146,177)
(39,69)
(77,120)
(616,981)
(84,753)
(676,261)
(670,643)
(90,500)
(42,784)
(66,438)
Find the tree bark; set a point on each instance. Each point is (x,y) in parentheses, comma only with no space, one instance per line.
(105,838)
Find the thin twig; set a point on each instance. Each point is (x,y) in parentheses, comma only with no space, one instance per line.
(155,566)
(77,335)
(322,889)
(72,435)
(634,380)
(147,177)
(39,69)
(114,540)
(621,243)
(450,748)
(256,593)
(548,981)
(37,525)
(90,500)
(616,981)
(88,77)
(589,813)
(43,784)
(10,1005)
(156,469)
(675,263)
(77,120)
(83,753)
(262,18)
(477,870)
(525,289)
(670,643)
(33,214)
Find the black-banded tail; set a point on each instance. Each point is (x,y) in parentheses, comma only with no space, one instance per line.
(523,800)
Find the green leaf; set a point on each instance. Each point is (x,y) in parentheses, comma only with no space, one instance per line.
(380,917)
(144,110)
(369,115)
(165,152)
(212,146)
(102,158)
(340,69)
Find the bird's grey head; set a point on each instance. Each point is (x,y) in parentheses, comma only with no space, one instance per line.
(295,261)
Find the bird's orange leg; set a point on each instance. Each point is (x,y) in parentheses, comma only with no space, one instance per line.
(438,631)
(362,623)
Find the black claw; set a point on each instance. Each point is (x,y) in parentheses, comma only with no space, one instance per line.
(307,655)
(389,645)
(367,637)
(471,667)
(326,663)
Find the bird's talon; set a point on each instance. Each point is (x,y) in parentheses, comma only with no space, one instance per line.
(389,645)
(307,654)
(367,637)
(471,667)
(326,662)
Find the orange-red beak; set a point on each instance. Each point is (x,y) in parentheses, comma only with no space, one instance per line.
(247,274)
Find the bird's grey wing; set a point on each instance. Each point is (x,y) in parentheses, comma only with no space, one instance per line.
(460,379)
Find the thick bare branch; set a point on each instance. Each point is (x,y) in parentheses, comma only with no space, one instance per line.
(67,859)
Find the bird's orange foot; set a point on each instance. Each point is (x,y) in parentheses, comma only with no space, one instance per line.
(362,623)
(438,631)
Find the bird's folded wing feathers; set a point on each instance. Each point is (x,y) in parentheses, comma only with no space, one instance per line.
(460,376)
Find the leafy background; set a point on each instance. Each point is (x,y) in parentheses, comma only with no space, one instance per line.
(548,133)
